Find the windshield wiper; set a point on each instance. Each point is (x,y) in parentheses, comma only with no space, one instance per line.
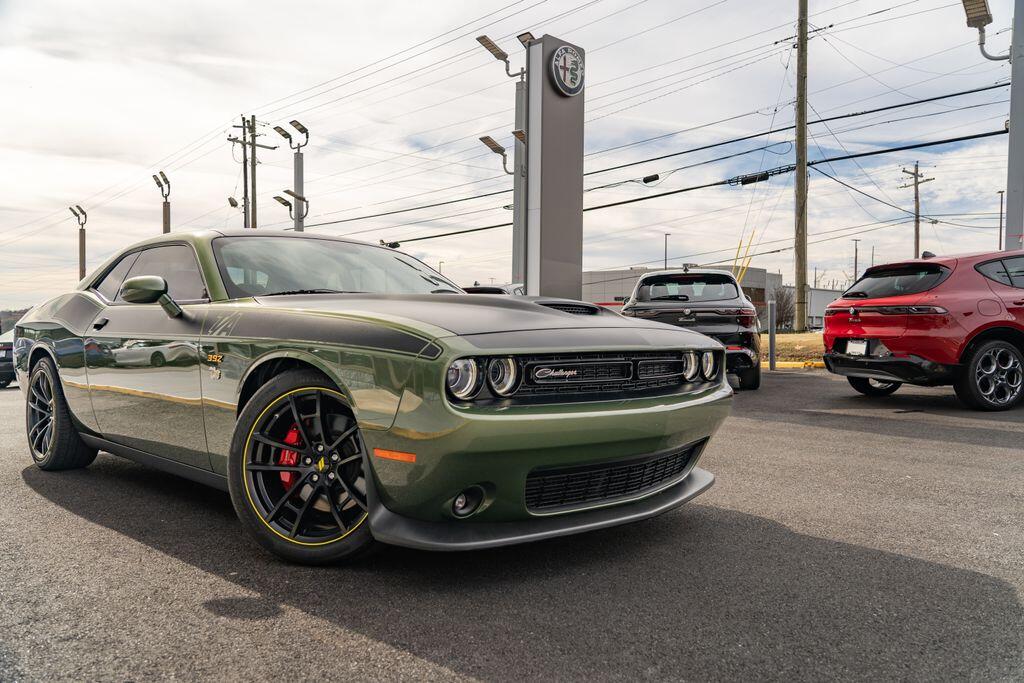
(670,297)
(310,291)
(860,295)
(443,291)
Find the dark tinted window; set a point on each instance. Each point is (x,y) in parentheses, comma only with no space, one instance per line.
(263,266)
(995,270)
(687,287)
(177,265)
(883,282)
(1015,268)
(110,285)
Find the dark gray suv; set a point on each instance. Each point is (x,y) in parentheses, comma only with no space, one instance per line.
(707,301)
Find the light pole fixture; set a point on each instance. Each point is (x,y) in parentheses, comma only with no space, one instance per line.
(390,245)
(979,16)
(493,145)
(232,202)
(292,141)
(81,216)
(164,186)
(519,135)
(298,210)
(297,169)
(500,55)
(525,38)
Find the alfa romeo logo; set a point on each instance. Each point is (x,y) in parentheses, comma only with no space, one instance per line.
(567,70)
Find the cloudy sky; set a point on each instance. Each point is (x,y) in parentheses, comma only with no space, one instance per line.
(97,96)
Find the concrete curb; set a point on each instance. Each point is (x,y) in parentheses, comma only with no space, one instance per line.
(790,364)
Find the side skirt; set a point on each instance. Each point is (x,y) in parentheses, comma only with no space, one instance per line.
(204,477)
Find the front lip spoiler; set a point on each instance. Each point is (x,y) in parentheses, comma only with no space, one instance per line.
(388,527)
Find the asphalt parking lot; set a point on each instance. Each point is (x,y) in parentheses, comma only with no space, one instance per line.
(845,537)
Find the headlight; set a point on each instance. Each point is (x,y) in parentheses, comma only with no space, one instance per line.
(502,375)
(691,366)
(463,378)
(707,365)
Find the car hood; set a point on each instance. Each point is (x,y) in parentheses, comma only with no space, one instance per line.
(441,315)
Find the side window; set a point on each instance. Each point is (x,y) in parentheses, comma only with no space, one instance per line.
(175,263)
(110,286)
(995,270)
(1015,269)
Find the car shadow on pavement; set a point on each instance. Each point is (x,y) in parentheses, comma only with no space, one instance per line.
(702,592)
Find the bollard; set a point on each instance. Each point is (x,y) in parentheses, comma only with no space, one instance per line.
(771,335)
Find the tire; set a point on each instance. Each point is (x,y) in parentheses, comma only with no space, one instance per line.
(992,376)
(750,379)
(298,501)
(873,387)
(157,360)
(53,440)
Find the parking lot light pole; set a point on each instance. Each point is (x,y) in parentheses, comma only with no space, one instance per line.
(666,250)
(772,324)
(165,191)
(297,175)
(79,213)
(979,16)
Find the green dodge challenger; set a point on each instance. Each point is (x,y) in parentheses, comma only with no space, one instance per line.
(344,393)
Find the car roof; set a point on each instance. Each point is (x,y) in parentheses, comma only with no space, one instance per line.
(688,271)
(204,235)
(952,259)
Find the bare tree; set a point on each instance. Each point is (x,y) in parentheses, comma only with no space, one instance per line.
(785,306)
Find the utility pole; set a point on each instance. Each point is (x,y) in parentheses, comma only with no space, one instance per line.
(666,249)
(872,256)
(918,179)
(297,176)
(800,247)
(1001,193)
(79,213)
(165,191)
(248,140)
(856,265)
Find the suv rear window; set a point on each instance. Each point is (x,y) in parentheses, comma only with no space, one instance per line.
(687,287)
(909,279)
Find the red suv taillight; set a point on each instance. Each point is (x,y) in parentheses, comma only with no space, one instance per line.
(890,310)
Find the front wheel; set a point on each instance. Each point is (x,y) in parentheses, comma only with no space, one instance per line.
(297,471)
(873,387)
(750,379)
(991,377)
(53,440)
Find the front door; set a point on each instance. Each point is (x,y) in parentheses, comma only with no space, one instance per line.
(145,378)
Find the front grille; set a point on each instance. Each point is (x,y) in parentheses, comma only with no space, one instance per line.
(601,373)
(567,488)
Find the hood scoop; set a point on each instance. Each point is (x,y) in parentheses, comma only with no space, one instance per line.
(573,307)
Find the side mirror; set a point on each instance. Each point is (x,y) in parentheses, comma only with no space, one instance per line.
(149,289)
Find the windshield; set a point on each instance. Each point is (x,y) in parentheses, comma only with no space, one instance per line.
(885,282)
(687,287)
(265,266)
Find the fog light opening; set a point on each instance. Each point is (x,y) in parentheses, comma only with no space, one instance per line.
(467,502)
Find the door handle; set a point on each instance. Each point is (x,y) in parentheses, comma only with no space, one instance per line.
(100,324)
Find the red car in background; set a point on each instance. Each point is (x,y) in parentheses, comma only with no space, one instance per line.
(956,320)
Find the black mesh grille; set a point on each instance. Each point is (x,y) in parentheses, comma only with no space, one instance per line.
(583,486)
(602,373)
(575,309)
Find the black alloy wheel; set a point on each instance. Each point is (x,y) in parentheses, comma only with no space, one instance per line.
(53,438)
(299,480)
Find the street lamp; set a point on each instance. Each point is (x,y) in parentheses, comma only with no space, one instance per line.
(79,213)
(525,38)
(297,174)
(300,211)
(497,149)
(979,16)
(165,191)
(500,55)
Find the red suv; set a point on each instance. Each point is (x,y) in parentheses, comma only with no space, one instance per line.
(955,320)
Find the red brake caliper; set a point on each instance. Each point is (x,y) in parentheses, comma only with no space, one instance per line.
(290,458)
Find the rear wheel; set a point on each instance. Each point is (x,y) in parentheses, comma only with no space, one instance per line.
(992,377)
(53,440)
(873,387)
(750,379)
(297,473)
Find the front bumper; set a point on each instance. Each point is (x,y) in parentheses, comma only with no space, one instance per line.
(395,529)
(497,449)
(909,370)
